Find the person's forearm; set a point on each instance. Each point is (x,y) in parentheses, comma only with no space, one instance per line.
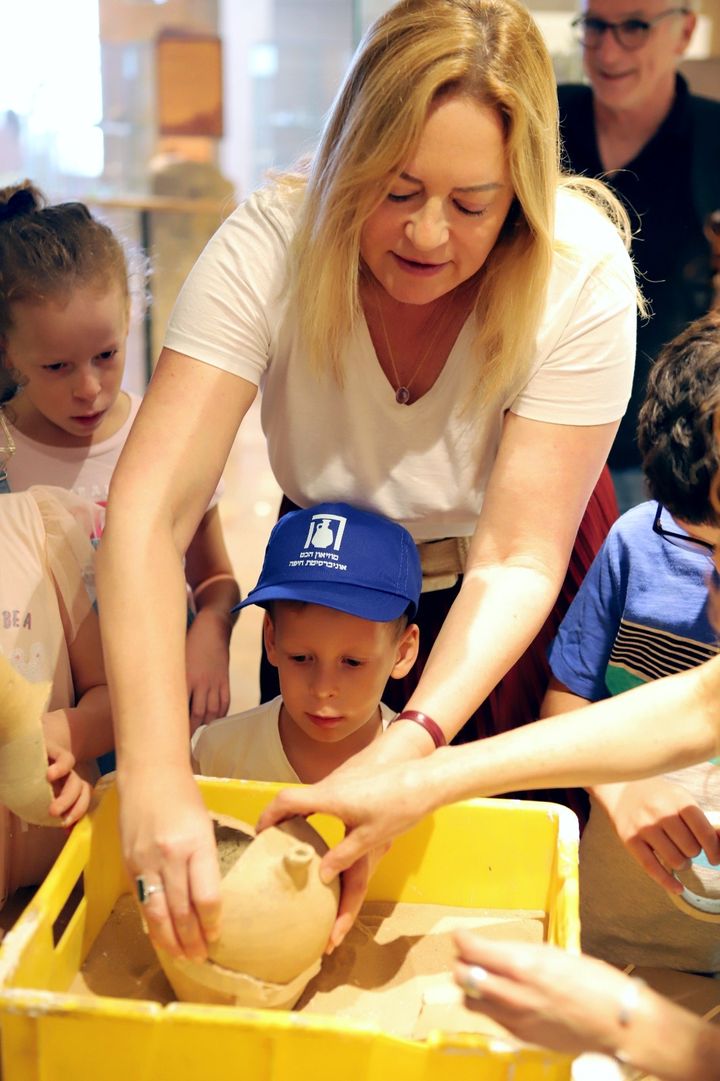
(86,728)
(669,1042)
(666,724)
(216,600)
(142,603)
(493,620)
(558,699)
(608,795)
(209,570)
(706,1062)
(158,499)
(517,561)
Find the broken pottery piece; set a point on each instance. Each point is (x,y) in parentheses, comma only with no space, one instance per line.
(24,788)
(276,919)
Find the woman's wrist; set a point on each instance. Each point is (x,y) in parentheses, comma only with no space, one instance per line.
(607,795)
(403,740)
(641,1016)
(138,766)
(426,722)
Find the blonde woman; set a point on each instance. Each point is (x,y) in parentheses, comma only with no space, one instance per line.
(444,332)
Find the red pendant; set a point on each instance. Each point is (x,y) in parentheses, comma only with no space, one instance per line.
(402,395)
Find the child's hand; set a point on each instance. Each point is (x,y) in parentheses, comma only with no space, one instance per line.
(207,660)
(72,793)
(660,825)
(56,731)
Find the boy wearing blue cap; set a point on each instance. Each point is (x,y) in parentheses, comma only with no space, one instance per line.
(340,587)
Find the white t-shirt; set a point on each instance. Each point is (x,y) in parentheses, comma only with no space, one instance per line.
(425,465)
(247,746)
(86,471)
(83,470)
(45,560)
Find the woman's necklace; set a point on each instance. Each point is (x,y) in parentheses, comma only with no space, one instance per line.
(402,389)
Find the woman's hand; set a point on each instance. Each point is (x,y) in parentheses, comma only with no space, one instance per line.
(347,790)
(168,839)
(72,793)
(375,805)
(661,826)
(542,994)
(207,663)
(572,1004)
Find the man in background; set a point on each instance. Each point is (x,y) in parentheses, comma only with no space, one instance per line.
(658,146)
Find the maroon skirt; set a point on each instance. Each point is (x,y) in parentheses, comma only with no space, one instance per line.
(516,699)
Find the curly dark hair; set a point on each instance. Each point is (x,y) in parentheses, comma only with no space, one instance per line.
(675,424)
(48,250)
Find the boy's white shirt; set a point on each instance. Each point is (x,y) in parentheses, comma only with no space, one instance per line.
(247,746)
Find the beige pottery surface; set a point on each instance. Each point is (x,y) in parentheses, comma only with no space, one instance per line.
(277,914)
(276,920)
(212,984)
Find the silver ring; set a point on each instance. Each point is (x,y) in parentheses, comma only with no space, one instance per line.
(145,890)
(472,983)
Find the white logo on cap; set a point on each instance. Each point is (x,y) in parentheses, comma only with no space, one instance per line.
(323,534)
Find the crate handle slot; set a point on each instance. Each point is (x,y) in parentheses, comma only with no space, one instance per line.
(67,911)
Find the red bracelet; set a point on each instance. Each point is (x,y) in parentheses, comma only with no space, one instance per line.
(432,728)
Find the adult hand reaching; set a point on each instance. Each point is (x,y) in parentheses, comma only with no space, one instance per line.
(375,807)
(169,849)
(541,994)
(573,1004)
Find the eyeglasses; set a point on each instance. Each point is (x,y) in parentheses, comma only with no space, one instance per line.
(681,540)
(629,34)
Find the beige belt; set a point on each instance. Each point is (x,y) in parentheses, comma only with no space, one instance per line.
(442,562)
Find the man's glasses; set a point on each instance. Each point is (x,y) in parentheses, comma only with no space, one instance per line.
(629,34)
(681,540)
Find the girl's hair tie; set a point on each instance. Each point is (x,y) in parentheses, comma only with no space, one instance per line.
(20,203)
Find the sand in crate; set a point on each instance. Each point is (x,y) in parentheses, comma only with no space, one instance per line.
(393,970)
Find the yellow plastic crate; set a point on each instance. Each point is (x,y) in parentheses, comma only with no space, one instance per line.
(500,854)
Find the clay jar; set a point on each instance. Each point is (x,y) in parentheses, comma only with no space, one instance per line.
(276,919)
(24,787)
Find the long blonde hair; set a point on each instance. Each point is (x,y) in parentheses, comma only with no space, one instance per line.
(492,52)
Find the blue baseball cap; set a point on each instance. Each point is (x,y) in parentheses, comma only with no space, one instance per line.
(341,557)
